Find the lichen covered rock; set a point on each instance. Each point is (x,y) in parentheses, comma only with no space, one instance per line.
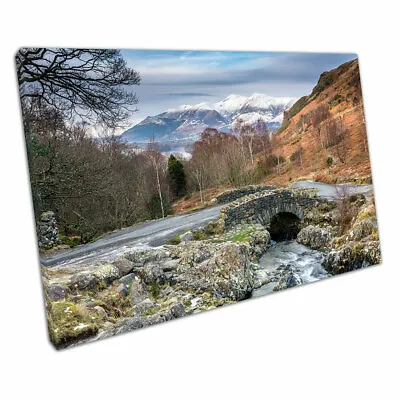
(354,255)
(315,237)
(138,292)
(224,271)
(289,280)
(187,236)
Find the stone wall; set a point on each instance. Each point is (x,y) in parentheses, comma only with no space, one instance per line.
(47,230)
(234,194)
(263,206)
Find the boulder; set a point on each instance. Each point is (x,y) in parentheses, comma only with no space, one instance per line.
(187,236)
(127,279)
(47,216)
(84,281)
(259,242)
(122,290)
(56,292)
(363,228)
(195,252)
(107,273)
(288,281)
(224,271)
(178,310)
(123,265)
(124,284)
(354,255)
(144,306)
(151,274)
(101,313)
(314,237)
(138,292)
(169,265)
(140,257)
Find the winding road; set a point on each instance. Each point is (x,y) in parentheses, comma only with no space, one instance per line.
(158,232)
(153,233)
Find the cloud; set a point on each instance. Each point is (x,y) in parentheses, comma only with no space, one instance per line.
(191,94)
(172,78)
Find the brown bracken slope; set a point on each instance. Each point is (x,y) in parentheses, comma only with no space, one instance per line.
(338,98)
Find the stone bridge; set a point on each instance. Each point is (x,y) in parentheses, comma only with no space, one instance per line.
(234,194)
(291,205)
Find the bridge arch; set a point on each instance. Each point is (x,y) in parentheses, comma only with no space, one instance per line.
(284,226)
(280,207)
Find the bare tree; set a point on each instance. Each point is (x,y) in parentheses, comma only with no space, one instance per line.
(199,178)
(342,197)
(339,137)
(319,115)
(89,83)
(156,159)
(298,156)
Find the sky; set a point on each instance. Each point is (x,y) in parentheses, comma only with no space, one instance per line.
(173,78)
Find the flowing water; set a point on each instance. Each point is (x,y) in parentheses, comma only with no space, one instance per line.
(288,256)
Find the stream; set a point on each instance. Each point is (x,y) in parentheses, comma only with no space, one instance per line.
(286,256)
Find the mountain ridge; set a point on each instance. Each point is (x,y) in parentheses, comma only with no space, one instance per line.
(186,122)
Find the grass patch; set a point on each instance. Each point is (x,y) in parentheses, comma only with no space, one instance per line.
(175,240)
(155,290)
(240,237)
(70,322)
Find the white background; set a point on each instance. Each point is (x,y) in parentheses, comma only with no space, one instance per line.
(337,339)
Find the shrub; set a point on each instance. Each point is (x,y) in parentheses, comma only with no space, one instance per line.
(175,240)
(329,161)
(199,236)
(70,241)
(336,99)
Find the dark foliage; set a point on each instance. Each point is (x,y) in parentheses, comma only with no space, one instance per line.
(177,177)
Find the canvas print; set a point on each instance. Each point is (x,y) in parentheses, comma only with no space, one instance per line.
(166,183)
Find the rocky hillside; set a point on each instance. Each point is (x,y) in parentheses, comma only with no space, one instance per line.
(323,135)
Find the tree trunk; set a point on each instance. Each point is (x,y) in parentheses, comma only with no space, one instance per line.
(159,192)
(199,182)
(251,152)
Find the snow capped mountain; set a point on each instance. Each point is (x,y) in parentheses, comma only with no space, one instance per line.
(186,122)
(232,104)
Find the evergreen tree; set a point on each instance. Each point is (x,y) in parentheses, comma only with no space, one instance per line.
(177,178)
